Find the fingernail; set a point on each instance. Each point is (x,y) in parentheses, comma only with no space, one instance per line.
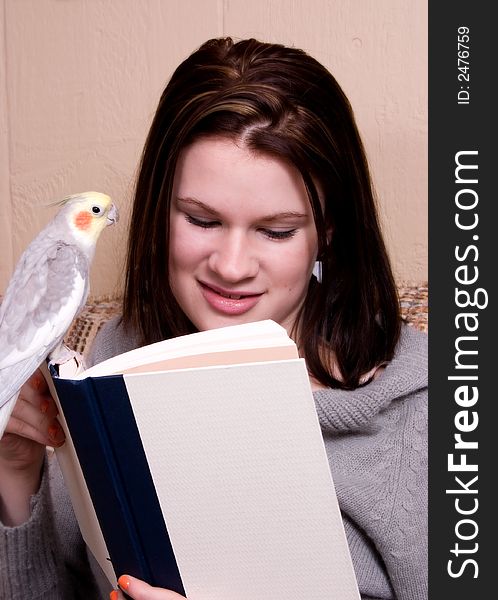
(44,404)
(124,582)
(55,433)
(38,381)
(113,595)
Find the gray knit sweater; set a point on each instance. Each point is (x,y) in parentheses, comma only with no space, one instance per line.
(376,441)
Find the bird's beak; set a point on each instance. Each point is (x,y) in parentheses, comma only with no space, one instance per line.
(112,215)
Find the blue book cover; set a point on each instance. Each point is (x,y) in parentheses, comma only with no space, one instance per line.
(109,448)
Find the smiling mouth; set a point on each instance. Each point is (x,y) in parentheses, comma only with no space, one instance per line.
(229,303)
(229,295)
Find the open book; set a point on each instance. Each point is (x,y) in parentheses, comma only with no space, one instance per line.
(197,464)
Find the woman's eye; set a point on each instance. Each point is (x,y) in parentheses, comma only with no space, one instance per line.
(277,234)
(201,222)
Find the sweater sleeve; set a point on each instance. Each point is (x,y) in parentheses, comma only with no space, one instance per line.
(46,557)
(376,442)
(28,566)
(402,506)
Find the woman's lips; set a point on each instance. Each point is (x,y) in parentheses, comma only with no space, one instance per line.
(228,302)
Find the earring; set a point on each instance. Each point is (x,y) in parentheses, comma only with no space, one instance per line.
(317,270)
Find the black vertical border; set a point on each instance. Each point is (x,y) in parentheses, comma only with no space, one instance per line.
(457,127)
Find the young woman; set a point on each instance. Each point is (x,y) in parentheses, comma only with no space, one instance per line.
(254,171)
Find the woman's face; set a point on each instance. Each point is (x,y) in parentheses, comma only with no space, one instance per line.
(243,241)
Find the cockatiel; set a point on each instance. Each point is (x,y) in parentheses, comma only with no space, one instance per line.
(47,290)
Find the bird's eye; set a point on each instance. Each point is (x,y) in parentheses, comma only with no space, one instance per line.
(96,210)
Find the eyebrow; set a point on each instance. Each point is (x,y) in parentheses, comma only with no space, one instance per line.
(279,216)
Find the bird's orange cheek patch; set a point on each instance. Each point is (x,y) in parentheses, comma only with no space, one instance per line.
(82,220)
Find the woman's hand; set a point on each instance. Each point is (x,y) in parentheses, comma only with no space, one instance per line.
(139,590)
(32,426)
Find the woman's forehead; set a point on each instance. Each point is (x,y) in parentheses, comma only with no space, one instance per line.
(219,172)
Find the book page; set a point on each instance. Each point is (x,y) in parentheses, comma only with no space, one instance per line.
(228,357)
(240,469)
(260,334)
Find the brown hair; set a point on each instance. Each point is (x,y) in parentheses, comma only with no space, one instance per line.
(281,102)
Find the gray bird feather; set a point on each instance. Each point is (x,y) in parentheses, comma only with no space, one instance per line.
(48,289)
(42,285)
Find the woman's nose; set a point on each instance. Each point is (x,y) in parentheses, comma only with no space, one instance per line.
(234,259)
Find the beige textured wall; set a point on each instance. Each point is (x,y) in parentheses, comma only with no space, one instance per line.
(79,81)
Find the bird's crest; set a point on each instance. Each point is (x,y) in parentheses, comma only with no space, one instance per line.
(80,196)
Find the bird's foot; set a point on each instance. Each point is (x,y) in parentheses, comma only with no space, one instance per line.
(66,360)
